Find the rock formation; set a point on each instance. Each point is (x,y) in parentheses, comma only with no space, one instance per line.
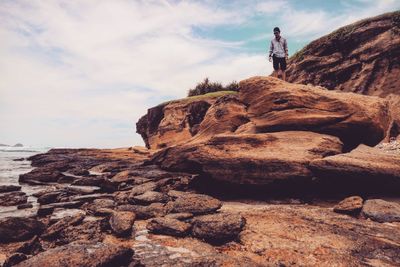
(363,57)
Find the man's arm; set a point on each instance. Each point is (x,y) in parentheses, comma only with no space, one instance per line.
(286,49)
(271,48)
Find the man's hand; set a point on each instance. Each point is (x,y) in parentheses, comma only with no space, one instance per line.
(287,57)
(270,58)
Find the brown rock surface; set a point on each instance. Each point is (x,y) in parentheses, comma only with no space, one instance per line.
(363,57)
(274,105)
(252,158)
(381,211)
(349,205)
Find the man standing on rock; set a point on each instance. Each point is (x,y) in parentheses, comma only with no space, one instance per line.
(278,53)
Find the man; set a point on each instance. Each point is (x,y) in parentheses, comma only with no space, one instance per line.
(278,52)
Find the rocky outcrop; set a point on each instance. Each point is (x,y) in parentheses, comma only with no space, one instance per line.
(173,122)
(274,105)
(363,57)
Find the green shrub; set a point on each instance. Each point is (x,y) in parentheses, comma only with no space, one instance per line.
(206,87)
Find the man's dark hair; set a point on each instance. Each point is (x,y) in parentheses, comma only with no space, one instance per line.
(276,29)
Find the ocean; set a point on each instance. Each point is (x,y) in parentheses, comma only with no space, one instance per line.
(10,168)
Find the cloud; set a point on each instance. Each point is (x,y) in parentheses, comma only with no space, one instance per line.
(74,70)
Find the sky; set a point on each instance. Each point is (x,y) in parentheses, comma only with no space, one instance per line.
(81,73)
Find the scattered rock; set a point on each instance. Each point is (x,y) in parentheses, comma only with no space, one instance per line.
(78,254)
(44,174)
(30,247)
(150,197)
(381,211)
(19,229)
(25,206)
(62,224)
(49,197)
(145,212)
(179,216)
(13,198)
(121,222)
(143,188)
(9,188)
(349,205)
(14,259)
(195,203)
(168,226)
(218,227)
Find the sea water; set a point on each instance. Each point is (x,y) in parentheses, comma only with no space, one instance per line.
(13,162)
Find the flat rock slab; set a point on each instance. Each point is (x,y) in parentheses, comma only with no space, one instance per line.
(81,254)
(349,205)
(19,229)
(381,211)
(218,227)
(57,227)
(143,188)
(252,158)
(168,226)
(121,222)
(195,204)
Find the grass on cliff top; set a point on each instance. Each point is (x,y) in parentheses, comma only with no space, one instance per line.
(199,97)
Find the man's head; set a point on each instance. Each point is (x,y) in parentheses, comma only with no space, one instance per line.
(277,32)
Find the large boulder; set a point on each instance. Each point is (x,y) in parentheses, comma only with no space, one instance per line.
(275,105)
(79,254)
(19,229)
(362,168)
(251,158)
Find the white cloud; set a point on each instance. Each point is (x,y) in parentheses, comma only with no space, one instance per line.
(73,70)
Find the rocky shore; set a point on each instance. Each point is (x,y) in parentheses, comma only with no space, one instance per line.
(276,174)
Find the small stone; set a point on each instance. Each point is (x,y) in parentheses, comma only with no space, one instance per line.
(121,222)
(143,188)
(168,226)
(9,188)
(349,205)
(180,216)
(150,197)
(25,206)
(381,211)
(217,228)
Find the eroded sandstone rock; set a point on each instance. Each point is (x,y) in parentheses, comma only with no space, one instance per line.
(349,205)
(121,222)
(19,229)
(168,226)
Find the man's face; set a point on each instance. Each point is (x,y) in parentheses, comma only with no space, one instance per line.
(277,34)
